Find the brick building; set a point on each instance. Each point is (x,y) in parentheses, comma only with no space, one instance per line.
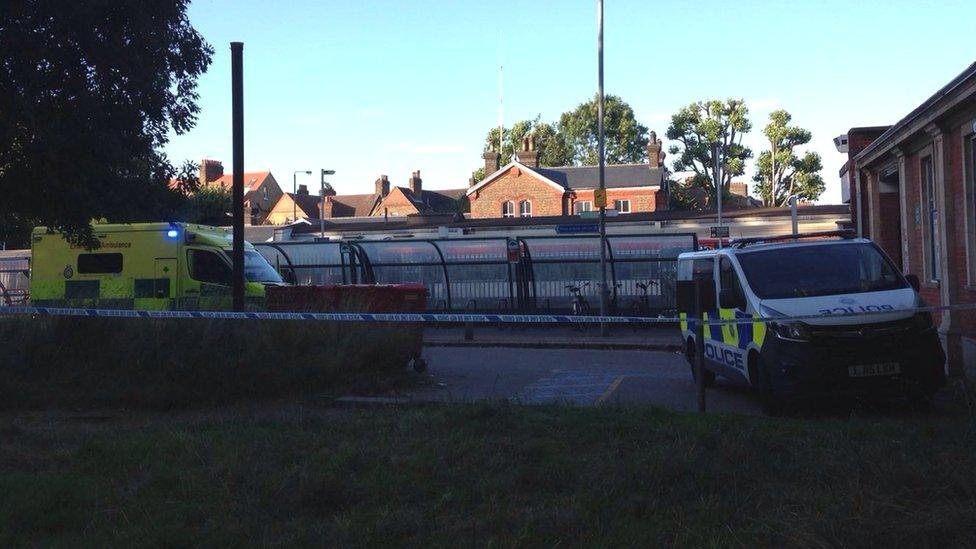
(261,190)
(384,201)
(524,189)
(415,200)
(913,190)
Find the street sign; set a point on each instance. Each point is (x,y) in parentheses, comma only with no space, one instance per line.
(600,198)
(720,231)
(578,228)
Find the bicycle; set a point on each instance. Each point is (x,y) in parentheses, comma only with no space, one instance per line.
(579,307)
(642,305)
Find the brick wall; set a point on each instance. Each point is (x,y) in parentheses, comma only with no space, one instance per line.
(962,291)
(889,237)
(517,186)
(640,200)
(396,204)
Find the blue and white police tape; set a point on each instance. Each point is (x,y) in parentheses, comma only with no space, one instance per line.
(452,318)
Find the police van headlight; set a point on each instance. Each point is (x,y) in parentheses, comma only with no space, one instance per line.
(790,331)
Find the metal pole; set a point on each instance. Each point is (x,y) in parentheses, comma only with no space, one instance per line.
(857,192)
(717,179)
(700,343)
(322,207)
(237,131)
(604,290)
(793,216)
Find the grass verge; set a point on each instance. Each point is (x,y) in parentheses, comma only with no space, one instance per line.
(485,474)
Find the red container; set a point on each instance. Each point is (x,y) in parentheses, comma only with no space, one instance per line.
(302,299)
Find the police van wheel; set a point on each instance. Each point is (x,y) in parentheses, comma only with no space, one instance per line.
(708,377)
(771,404)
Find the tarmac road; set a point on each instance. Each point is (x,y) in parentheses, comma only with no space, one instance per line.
(582,377)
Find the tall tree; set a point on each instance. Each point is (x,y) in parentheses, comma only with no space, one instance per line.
(625,137)
(697,126)
(89,91)
(793,175)
(550,144)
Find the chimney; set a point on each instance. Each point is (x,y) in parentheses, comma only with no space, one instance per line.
(471,181)
(739,188)
(303,189)
(416,186)
(492,162)
(655,156)
(210,170)
(528,155)
(383,185)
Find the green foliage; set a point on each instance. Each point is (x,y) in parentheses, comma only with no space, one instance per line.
(209,205)
(799,175)
(697,126)
(625,138)
(573,141)
(90,90)
(548,142)
(167,363)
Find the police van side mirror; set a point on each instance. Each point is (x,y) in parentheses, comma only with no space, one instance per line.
(730,299)
(913,282)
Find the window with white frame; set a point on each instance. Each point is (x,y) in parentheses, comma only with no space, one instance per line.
(508,209)
(525,208)
(622,206)
(583,206)
(969,167)
(930,221)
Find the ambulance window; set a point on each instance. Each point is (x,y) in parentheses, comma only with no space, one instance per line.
(701,269)
(206,266)
(728,277)
(99,263)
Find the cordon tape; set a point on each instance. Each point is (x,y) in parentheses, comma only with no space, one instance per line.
(444,317)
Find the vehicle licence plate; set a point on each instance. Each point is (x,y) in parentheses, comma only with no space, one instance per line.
(869,370)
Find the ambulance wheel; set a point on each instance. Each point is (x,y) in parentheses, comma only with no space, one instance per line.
(761,385)
(419,365)
(709,377)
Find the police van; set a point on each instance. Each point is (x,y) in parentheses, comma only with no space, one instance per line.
(144,266)
(863,339)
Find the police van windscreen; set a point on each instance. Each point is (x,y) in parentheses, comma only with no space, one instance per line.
(818,270)
(257,269)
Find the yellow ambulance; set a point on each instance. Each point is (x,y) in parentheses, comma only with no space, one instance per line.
(147,266)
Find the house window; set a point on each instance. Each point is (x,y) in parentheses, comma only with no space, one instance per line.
(930,221)
(525,208)
(508,209)
(583,206)
(264,193)
(622,206)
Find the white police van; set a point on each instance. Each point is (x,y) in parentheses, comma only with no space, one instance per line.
(881,352)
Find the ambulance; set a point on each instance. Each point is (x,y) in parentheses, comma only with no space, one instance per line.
(860,337)
(146,266)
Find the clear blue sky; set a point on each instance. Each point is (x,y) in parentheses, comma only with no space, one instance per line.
(388,87)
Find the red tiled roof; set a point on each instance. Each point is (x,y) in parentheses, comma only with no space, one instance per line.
(252,180)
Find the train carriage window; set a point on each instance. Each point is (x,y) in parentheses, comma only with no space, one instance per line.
(207,266)
(99,263)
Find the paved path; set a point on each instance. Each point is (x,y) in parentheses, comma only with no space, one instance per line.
(657,338)
(573,376)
